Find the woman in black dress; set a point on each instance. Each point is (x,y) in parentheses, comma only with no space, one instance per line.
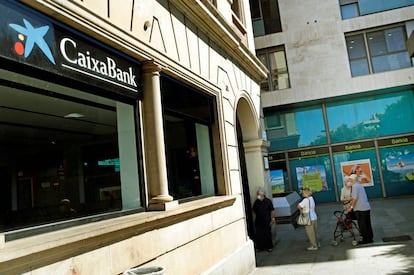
(265,217)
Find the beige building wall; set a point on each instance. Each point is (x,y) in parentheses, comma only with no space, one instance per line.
(313,35)
(198,44)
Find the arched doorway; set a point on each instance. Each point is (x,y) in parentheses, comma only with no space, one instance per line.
(247,127)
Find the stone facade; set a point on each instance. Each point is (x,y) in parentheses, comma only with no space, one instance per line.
(313,35)
(205,46)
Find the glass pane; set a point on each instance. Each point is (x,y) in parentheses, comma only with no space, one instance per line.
(391,62)
(371,117)
(205,160)
(373,6)
(279,180)
(263,58)
(278,61)
(273,121)
(61,157)
(359,157)
(280,76)
(376,42)
(397,165)
(281,81)
(258,27)
(395,39)
(317,166)
(255,9)
(264,85)
(349,11)
(359,67)
(271,16)
(295,131)
(356,46)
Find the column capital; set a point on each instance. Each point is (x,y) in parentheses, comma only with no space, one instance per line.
(253,145)
(151,67)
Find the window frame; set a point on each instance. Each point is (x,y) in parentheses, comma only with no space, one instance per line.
(40,87)
(367,48)
(343,3)
(271,75)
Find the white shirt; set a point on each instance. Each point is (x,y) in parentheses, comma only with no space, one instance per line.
(308,205)
(360,196)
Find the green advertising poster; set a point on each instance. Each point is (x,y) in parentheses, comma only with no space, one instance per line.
(313,177)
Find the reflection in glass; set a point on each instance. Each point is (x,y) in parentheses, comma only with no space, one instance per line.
(275,61)
(356,46)
(359,67)
(349,11)
(378,116)
(374,191)
(321,163)
(64,157)
(391,62)
(397,165)
(295,130)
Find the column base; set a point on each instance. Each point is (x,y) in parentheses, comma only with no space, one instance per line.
(162,206)
(161,199)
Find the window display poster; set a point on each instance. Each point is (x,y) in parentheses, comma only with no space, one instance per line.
(402,164)
(277,181)
(362,168)
(313,177)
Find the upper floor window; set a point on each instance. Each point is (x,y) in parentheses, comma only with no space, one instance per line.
(353,8)
(378,51)
(265,17)
(349,8)
(275,61)
(237,8)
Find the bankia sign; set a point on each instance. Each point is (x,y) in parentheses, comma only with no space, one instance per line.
(32,39)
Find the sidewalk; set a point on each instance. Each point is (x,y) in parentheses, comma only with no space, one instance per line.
(391,217)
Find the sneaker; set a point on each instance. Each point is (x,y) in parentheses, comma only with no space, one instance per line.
(311,248)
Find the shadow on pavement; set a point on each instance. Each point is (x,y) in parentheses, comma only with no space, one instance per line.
(290,249)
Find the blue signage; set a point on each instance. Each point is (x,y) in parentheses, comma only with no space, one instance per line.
(33,39)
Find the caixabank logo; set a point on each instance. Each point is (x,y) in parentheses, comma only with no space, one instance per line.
(41,43)
(29,38)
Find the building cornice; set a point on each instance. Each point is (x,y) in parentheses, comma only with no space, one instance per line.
(201,13)
(209,20)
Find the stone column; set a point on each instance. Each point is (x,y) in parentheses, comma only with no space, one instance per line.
(156,166)
(258,176)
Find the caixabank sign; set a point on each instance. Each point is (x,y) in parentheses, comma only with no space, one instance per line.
(30,38)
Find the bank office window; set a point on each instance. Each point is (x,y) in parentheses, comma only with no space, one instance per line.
(378,51)
(188,118)
(275,61)
(65,154)
(369,117)
(292,129)
(265,17)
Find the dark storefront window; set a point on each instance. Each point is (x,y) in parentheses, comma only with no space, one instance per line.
(64,155)
(188,118)
(371,117)
(292,129)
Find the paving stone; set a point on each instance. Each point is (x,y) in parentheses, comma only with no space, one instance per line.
(289,256)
